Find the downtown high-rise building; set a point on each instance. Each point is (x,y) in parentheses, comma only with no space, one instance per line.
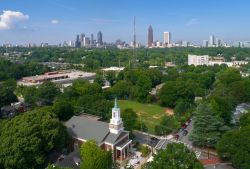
(150,36)
(99,38)
(211,40)
(78,42)
(92,39)
(82,36)
(166,38)
(205,43)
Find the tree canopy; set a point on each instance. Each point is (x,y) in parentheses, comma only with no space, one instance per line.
(208,128)
(175,156)
(94,157)
(27,139)
(235,145)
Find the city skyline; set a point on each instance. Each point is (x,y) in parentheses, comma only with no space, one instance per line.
(60,20)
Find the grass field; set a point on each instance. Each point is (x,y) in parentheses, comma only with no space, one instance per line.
(150,114)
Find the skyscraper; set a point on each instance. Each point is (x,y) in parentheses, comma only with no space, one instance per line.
(218,42)
(166,38)
(211,40)
(82,36)
(77,43)
(205,43)
(99,38)
(150,36)
(92,39)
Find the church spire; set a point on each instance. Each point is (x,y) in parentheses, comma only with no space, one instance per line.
(116,104)
(116,124)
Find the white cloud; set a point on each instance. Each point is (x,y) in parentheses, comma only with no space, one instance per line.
(54,21)
(11,19)
(193,21)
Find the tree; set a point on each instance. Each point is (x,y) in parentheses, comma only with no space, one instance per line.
(26,139)
(94,157)
(175,156)
(208,128)
(111,77)
(228,76)
(63,109)
(223,106)
(122,89)
(167,125)
(7,95)
(173,91)
(99,80)
(142,88)
(129,118)
(245,119)
(47,92)
(234,146)
(29,94)
(180,107)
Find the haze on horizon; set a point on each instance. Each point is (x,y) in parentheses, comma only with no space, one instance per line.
(23,22)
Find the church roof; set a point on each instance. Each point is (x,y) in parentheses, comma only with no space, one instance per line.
(113,138)
(84,128)
(87,129)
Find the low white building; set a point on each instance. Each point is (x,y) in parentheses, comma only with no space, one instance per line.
(212,63)
(65,78)
(197,60)
(115,69)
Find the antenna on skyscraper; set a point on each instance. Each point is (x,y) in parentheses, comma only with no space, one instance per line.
(134,46)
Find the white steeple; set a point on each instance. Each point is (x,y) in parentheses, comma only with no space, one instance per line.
(116,124)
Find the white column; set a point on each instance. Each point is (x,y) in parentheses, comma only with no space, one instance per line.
(124,153)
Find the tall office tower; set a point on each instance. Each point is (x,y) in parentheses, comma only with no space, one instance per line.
(82,36)
(77,43)
(218,42)
(205,43)
(99,38)
(86,42)
(71,44)
(150,36)
(92,39)
(166,38)
(211,40)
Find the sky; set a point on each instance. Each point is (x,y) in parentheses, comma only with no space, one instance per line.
(55,21)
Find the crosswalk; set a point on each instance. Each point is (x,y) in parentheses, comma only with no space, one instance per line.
(164,141)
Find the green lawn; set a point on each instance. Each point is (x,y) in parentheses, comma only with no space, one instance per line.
(150,114)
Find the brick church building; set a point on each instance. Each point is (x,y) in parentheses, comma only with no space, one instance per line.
(109,136)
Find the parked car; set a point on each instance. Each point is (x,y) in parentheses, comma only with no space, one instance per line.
(185,132)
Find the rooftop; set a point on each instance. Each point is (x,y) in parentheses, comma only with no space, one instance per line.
(58,76)
(82,127)
(114,69)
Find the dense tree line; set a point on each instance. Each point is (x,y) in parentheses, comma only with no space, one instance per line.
(230,89)
(136,84)
(7,95)
(235,144)
(10,70)
(27,139)
(81,97)
(97,58)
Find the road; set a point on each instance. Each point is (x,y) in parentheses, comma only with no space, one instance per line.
(145,138)
(183,138)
